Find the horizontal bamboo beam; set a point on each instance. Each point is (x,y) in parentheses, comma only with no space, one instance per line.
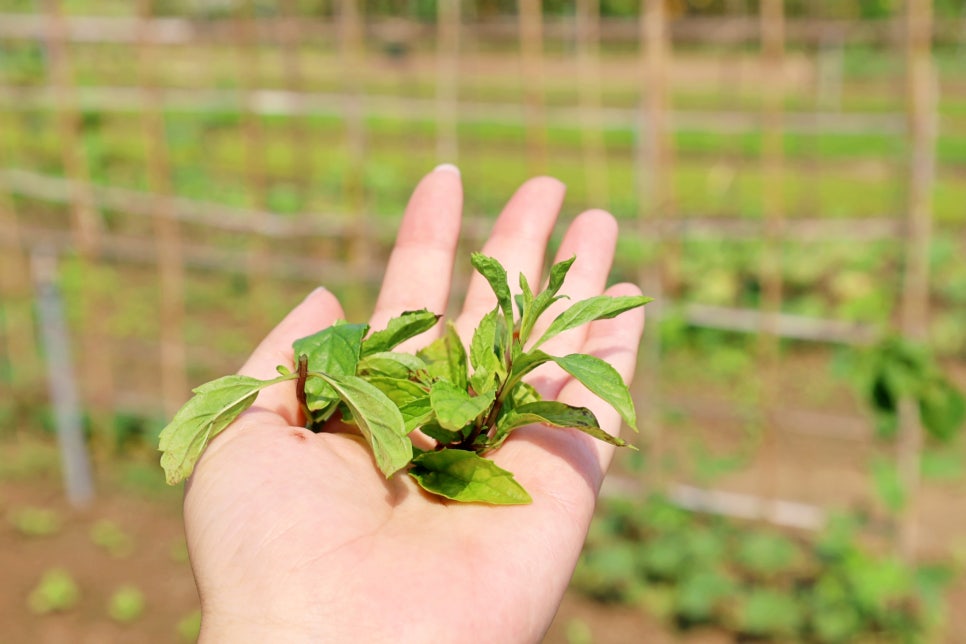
(785,325)
(720,30)
(475,228)
(273,102)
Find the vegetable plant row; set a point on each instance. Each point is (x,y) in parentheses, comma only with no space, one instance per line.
(468,402)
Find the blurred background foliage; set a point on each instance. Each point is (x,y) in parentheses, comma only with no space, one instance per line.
(196,166)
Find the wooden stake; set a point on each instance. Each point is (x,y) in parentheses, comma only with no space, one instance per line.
(62,382)
(247,46)
(86,226)
(530,17)
(922,118)
(448,27)
(289,38)
(655,199)
(174,376)
(587,22)
(772,25)
(352,53)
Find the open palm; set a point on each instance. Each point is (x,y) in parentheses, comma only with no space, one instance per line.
(296,536)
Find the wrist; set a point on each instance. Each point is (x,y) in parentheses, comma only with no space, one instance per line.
(256,628)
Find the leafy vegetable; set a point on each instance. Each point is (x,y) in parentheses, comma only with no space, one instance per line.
(214,406)
(55,592)
(335,351)
(468,402)
(126,604)
(398,330)
(465,476)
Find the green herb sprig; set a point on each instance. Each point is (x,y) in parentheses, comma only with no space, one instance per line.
(468,402)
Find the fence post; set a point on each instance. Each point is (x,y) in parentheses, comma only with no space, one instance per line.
(246,45)
(352,54)
(922,123)
(530,17)
(174,377)
(96,352)
(448,23)
(655,200)
(61,383)
(587,22)
(772,29)
(289,38)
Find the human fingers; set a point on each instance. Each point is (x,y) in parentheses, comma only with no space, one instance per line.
(518,240)
(319,310)
(566,463)
(421,263)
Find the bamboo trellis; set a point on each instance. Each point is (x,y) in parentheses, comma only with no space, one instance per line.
(455,39)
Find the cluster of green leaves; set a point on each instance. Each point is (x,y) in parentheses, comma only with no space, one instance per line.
(468,402)
(756,582)
(55,592)
(36,522)
(897,369)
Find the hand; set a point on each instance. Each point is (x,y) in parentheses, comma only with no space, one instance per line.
(296,536)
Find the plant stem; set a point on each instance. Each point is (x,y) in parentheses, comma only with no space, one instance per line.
(303,373)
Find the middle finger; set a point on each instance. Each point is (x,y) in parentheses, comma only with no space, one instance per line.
(518,241)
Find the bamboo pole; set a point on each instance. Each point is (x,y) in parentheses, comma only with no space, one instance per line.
(248,60)
(923,126)
(657,172)
(86,226)
(655,200)
(352,53)
(62,382)
(174,376)
(587,22)
(448,24)
(290,40)
(530,24)
(772,24)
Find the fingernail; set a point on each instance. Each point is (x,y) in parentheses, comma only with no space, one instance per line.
(447,167)
(315,291)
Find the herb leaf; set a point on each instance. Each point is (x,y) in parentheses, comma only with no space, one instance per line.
(603,380)
(213,407)
(390,364)
(555,414)
(333,351)
(399,329)
(595,308)
(486,354)
(446,358)
(465,476)
(545,298)
(495,274)
(410,397)
(527,362)
(454,407)
(378,418)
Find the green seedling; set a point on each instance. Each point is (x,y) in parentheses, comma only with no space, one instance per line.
(178,550)
(126,604)
(56,592)
(189,627)
(111,538)
(469,402)
(36,522)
